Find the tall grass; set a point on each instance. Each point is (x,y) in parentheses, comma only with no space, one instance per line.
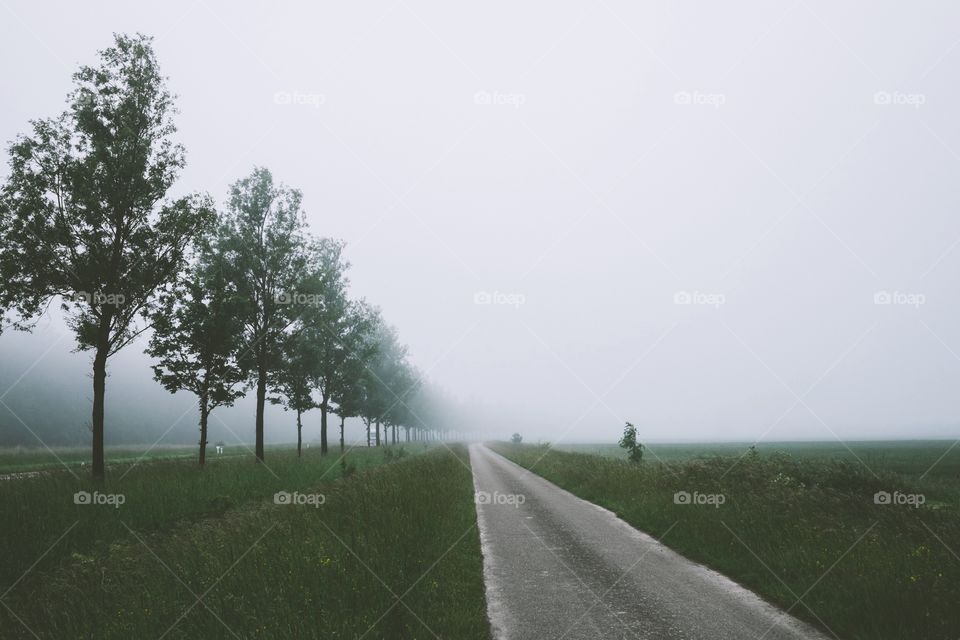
(393,552)
(37,511)
(789,529)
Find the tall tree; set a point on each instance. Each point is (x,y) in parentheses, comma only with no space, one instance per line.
(347,383)
(81,216)
(380,375)
(327,323)
(263,239)
(194,338)
(403,384)
(294,380)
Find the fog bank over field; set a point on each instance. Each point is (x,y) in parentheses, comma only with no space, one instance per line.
(718,223)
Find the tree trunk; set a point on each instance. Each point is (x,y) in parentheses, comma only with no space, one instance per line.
(323,428)
(367,423)
(261,401)
(342,447)
(204,414)
(393,434)
(378,432)
(99,392)
(299,433)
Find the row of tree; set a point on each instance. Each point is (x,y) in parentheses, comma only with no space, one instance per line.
(239,298)
(263,302)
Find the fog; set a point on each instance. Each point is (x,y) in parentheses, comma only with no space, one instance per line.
(688,216)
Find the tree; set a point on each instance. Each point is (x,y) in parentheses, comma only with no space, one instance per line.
(338,330)
(324,315)
(403,383)
(516,438)
(347,385)
(380,375)
(294,379)
(81,217)
(629,442)
(263,241)
(194,337)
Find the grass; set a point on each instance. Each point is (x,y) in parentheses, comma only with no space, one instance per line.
(797,526)
(932,464)
(28,459)
(157,495)
(400,529)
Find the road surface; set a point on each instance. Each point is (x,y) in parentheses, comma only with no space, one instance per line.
(559,567)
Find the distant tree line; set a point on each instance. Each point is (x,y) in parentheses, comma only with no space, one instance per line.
(238,297)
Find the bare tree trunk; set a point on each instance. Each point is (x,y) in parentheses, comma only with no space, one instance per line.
(299,433)
(204,414)
(261,401)
(342,420)
(378,432)
(99,392)
(323,427)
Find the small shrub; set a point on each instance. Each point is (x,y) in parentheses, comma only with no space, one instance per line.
(629,442)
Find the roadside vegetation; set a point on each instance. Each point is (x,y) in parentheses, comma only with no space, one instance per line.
(805,532)
(157,495)
(232,298)
(331,568)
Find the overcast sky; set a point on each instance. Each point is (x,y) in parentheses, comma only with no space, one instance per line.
(678,214)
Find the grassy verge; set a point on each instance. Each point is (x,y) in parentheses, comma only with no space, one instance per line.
(790,529)
(392,552)
(156,495)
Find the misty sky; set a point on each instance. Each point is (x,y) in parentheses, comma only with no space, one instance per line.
(586,168)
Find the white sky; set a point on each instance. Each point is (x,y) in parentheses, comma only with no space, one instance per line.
(595,158)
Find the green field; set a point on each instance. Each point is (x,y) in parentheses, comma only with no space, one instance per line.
(386,553)
(26,459)
(933,465)
(798,523)
(393,550)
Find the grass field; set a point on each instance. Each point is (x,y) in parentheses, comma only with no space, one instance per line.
(933,465)
(798,524)
(27,459)
(261,570)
